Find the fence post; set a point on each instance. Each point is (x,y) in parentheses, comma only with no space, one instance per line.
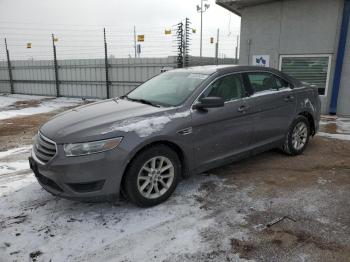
(55,67)
(9,68)
(106,63)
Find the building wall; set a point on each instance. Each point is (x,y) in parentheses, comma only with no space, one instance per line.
(292,27)
(344,92)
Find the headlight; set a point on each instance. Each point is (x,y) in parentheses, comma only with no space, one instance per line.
(80,149)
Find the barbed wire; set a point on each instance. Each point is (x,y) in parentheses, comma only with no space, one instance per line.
(86,41)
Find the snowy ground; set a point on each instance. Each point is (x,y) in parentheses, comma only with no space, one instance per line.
(69,231)
(337,128)
(223,216)
(10,105)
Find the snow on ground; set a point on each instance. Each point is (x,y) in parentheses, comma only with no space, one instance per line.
(32,220)
(14,151)
(343,125)
(338,128)
(6,168)
(8,100)
(334,136)
(45,105)
(14,160)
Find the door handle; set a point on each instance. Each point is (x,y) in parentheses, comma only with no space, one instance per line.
(289,98)
(243,109)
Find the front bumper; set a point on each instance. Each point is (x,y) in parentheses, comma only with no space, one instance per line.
(93,177)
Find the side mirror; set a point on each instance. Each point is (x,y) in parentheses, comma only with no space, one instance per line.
(209,102)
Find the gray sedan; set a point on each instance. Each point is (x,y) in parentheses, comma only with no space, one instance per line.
(179,123)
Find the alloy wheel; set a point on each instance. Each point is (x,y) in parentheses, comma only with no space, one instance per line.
(299,135)
(155,177)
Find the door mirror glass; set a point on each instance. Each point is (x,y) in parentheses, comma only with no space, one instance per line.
(209,102)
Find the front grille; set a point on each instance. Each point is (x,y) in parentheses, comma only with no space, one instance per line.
(44,148)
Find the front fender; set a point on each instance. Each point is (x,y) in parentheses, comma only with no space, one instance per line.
(177,140)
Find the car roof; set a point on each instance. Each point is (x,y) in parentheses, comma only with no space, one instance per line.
(210,69)
(222,69)
(207,69)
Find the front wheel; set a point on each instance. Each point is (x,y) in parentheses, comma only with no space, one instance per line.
(298,136)
(152,176)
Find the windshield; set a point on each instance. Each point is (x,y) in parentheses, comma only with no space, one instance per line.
(168,89)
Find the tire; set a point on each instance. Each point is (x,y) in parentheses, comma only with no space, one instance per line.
(298,136)
(157,167)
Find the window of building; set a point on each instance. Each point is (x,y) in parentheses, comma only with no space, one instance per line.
(260,81)
(313,70)
(228,87)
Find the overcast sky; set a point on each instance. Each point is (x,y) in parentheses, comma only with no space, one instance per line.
(78,25)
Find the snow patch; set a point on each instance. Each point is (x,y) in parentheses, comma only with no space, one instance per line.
(343,125)
(44,106)
(7,100)
(15,151)
(322,181)
(11,167)
(334,136)
(146,126)
(14,165)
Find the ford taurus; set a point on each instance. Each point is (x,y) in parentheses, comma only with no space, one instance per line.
(179,123)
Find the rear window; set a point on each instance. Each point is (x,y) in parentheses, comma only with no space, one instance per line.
(266,82)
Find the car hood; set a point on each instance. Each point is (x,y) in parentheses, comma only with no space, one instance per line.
(95,121)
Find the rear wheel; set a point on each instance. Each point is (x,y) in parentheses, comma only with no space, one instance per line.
(152,176)
(298,136)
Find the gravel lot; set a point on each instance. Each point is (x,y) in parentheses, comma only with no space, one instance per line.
(267,208)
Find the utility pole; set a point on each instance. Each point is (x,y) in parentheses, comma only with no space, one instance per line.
(236,55)
(135,48)
(201,10)
(55,66)
(201,43)
(106,63)
(9,67)
(217,47)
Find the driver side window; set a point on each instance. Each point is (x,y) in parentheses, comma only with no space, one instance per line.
(228,87)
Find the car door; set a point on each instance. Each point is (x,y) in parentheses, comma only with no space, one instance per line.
(224,132)
(272,106)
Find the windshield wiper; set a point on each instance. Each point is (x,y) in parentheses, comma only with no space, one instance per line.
(143,101)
